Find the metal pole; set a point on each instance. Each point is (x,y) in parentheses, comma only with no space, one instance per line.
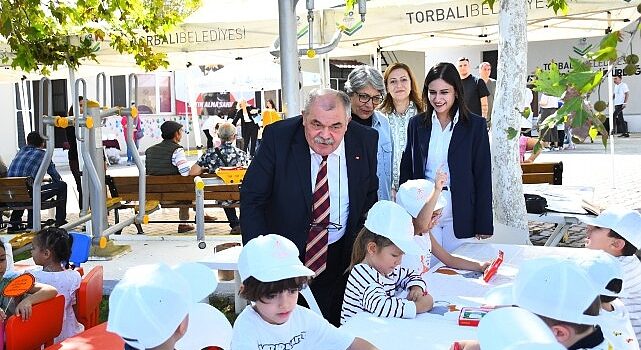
(200,211)
(101,76)
(611,117)
(37,182)
(289,57)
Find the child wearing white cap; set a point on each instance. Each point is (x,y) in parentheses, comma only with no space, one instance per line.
(422,199)
(272,276)
(157,307)
(607,274)
(563,295)
(376,274)
(618,232)
(511,328)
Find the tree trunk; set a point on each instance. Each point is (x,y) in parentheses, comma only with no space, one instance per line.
(508,201)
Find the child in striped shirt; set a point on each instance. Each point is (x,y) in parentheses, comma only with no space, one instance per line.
(618,233)
(376,275)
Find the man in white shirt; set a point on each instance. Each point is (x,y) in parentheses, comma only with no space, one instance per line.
(621,92)
(485,69)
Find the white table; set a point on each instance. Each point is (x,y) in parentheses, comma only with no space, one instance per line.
(439,331)
(228,260)
(564,205)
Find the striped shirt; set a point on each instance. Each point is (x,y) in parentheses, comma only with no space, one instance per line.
(631,293)
(179,159)
(369,290)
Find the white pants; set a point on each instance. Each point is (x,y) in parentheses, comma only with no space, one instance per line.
(443,231)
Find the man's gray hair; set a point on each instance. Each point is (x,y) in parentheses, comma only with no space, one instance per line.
(340,96)
(226,131)
(362,76)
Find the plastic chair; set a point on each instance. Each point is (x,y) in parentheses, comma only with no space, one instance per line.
(89,297)
(44,325)
(80,248)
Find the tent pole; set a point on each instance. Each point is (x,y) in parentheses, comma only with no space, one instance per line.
(289,57)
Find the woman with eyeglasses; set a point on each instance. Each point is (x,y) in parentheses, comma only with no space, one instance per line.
(366,90)
(449,138)
(401,103)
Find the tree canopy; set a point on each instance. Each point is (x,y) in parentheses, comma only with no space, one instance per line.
(47,34)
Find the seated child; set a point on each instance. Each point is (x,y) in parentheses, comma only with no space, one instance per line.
(150,306)
(563,295)
(52,250)
(20,306)
(618,233)
(511,328)
(375,272)
(422,199)
(272,276)
(607,273)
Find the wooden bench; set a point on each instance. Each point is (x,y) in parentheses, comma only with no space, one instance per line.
(16,194)
(535,173)
(171,191)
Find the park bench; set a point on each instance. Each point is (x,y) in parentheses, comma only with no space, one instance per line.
(16,194)
(170,191)
(550,172)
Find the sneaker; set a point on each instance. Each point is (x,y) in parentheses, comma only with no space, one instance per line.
(624,135)
(210,218)
(182,228)
(235,230)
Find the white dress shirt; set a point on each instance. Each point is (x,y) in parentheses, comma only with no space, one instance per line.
(438,149)
(619,93)
(338,188)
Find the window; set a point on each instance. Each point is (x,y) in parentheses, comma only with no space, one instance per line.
(155,93)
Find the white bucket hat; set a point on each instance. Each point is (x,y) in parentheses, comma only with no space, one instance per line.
(512,328)
(390,220)
(413,194)
(625,222)
(558,288)
(602,268)
(149,303)
(271,258)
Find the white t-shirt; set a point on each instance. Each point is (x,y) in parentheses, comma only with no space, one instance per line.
(631,293)
(305,330)
(619,93)
(67,283)
(617,328)
(419,263)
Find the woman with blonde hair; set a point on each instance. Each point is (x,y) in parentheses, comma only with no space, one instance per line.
(401,103)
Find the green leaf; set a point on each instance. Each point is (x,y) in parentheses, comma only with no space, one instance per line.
(605,54)
(511,133)
(489,3)
(549,82)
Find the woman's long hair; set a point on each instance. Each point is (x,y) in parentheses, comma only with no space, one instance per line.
(450,75)
(388,103)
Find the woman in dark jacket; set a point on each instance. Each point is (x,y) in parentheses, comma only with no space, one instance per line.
(448,138)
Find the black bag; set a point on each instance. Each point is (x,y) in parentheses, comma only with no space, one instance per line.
(535,204)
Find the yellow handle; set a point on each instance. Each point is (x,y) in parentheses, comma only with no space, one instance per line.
(200,184)
(61,122)
(145,219)
(134,112)
(102,243)
(89,122)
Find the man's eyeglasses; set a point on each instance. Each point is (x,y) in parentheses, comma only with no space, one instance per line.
(330,226)
(364,98)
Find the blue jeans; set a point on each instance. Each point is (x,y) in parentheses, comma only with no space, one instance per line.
(130,153)
(56,189)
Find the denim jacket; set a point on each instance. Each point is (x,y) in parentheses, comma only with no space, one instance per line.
(385,155)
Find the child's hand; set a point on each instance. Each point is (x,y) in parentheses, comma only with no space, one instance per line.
(484,266)
(415,292)
(424,303)
(23,309)
(441,179)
